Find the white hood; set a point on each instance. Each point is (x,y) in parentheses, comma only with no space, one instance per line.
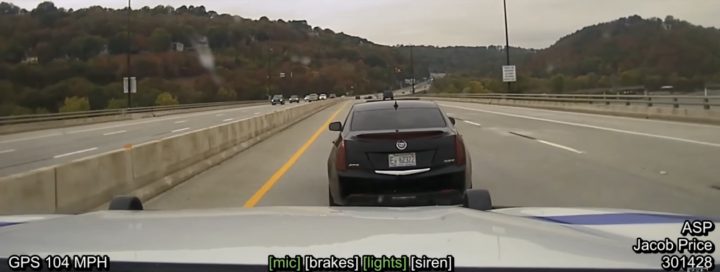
(500,238)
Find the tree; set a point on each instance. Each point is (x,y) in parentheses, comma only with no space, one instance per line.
(218,37)
(160,40)
(115,103)
(475,86)
(225,94)
(75,103)
(117,44)
(47,13)
(9,9)
(13,52)
(165,99)
(85,47)
(558,84)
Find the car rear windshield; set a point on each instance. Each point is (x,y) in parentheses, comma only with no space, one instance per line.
(408,118)
(277,96)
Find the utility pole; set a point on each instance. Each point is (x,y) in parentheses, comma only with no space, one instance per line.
(507,44)
(128,70)
(412,68)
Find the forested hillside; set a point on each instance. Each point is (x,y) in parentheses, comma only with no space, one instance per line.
(188,53)
(52,59)
(626,52)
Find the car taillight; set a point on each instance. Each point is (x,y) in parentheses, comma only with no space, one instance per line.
(340,162)
(459,150)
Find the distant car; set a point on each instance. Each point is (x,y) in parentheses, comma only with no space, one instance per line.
(312,97)
(369,97)
(404,152)
(323,96)
(357,97)
(388,95)
(277,99)
(294,99)
(307,98)
(332,95)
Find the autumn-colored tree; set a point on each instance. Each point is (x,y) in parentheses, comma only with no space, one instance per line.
(75,103)
(160,40)
(116,103)
(165,99)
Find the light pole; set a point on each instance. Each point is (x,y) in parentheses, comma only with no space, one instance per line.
(412,69)
(507,43)
(128,70)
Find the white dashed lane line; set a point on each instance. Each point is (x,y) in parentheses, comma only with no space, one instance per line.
(179,130)
(472,123)
(7,151)
(590,126)
(180,122)
(547,143)
(30,138)
(560,146)
(74,153)
(114,132)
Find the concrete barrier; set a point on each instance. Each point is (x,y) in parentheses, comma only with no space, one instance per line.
(91,181)
(31,192)
(145,170)
(698,115)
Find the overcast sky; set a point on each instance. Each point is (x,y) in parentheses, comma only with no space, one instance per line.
(532,23)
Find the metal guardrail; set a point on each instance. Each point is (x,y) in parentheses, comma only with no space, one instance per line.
(706,102)
(29,118)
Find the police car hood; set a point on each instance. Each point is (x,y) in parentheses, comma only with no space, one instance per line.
(514,237)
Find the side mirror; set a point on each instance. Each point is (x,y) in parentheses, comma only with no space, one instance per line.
(452,120)
(336,126)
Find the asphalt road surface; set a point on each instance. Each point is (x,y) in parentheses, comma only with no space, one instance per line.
(525,157)
(29,150)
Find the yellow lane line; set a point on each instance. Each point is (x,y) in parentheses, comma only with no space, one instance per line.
(289,163)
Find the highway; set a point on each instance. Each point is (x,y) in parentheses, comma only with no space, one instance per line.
(525,157)
(25,151)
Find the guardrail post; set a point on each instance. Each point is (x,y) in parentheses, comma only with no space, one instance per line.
(649,101)
(605,99)
(675,103)
(707,103)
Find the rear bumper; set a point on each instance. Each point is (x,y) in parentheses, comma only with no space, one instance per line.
(440,186)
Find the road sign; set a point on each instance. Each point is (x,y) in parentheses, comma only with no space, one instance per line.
(132,84)
(509,74)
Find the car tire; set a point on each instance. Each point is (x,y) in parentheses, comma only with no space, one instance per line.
(125,203)
(477,199)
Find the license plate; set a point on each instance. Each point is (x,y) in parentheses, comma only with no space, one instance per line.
(401,160)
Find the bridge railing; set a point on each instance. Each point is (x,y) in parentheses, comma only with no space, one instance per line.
(675,101)
(29,118)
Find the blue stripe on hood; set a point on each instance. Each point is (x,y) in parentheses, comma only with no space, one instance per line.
(620,218)
(5,224)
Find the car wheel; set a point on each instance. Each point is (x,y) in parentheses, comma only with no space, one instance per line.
(477,199)
(125,203)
